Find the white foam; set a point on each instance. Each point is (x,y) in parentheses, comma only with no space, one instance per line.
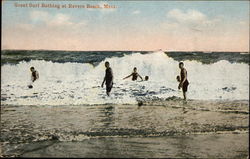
(76,83)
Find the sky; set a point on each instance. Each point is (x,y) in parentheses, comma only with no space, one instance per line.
(127,25)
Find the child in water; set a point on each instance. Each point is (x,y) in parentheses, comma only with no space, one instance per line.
(178,78)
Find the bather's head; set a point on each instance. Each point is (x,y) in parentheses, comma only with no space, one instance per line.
(181,65)
(135,69)
(107,64)
(32,69)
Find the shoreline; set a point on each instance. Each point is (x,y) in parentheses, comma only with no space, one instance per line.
(200,129)
(154,102)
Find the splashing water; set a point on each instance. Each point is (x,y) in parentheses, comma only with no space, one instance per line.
(79,83)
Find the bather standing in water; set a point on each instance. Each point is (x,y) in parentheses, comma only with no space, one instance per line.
(134,75)
(183,82)
(108,79)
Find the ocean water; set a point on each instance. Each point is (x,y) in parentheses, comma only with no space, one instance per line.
(68,114)
(74,78)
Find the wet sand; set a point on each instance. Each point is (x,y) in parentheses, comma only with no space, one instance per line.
(171,129)
(184,146)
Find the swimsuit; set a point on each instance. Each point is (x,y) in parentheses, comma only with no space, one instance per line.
(186,83)
(134,76)
(109,79)
(34,75)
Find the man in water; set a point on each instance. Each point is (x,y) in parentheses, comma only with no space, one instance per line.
(146,78)
(183,82)
(108,78)
(134,75)
(34,74)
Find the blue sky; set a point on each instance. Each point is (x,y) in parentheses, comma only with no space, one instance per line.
(132,25)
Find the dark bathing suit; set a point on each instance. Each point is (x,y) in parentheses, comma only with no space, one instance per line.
(134,76)
(34,75)
(185,84)
(109,79)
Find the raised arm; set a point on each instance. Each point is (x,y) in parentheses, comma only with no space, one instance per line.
(128,76)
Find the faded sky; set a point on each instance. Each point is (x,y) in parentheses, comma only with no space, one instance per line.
(133,25)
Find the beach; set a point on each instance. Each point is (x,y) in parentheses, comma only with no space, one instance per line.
(170,129)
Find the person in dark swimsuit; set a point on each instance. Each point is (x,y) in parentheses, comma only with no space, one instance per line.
(34,74)
(183,83)
(108,79)
(134,75)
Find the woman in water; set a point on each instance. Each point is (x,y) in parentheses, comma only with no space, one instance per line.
(134,75)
